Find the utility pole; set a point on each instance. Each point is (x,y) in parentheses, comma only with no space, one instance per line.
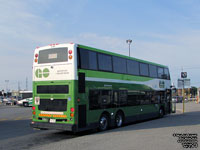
(26,83)
(19,86)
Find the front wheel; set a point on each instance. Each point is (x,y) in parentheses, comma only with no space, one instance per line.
(118,120)
(103,122)
(161,113)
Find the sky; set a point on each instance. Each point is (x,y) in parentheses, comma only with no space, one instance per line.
(164,32)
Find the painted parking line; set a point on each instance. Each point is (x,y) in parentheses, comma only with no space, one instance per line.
(16,119)
(3,119)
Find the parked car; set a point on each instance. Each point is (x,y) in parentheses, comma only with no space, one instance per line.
(174,99)
(7,101)
(25,102)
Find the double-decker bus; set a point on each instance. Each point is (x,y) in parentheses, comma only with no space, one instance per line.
(76,88)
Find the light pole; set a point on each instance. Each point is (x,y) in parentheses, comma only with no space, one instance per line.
(129,41)
(6,81)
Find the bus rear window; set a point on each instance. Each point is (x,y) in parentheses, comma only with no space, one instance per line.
(53,55)
(53,89)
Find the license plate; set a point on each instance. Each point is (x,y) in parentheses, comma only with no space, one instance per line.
(52,120)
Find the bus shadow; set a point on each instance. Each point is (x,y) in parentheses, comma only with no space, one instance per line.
(14,128)
(25,137)
(19,134)
(174,120)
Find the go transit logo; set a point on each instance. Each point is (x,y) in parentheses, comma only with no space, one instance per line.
(42,73)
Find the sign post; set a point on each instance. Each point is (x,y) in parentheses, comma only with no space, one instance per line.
(184,81)
(183,97)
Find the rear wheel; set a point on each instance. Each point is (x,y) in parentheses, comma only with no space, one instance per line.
(25,104)
(119,119)
(103,122)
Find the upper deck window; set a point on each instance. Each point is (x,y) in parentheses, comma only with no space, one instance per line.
(88,59)
(132,67)
(105,62)
(119,65)
(160,72)
(166,72)
(53,55)
(153,71)
(144,69)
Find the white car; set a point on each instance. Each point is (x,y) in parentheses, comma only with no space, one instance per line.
(25,102)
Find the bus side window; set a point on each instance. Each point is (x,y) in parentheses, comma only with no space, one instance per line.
(93,99)
(115,98)
(133,98)
(105,98)
(123,97)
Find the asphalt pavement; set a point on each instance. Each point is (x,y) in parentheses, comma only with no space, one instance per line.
(157,134)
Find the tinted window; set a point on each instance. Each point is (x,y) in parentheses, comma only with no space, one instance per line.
(133,98)
(160,72)
(166,72)
(132,67)
(100,99)
(88,59)
(144,69)
(105,99)
(53,55)
(26,95)
(94,96)
(122,97)
(105,62)
(119,65)
(56,89)
(153,71)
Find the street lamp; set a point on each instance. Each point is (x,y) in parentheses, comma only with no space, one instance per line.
(129,41)
(6,81)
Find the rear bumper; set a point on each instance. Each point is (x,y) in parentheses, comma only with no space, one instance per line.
(54,126)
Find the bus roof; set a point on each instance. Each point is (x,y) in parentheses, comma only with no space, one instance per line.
(115,54)
(99,50)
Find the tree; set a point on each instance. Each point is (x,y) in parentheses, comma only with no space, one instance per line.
(193,91)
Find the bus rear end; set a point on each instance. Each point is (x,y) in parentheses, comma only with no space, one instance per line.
(53,87)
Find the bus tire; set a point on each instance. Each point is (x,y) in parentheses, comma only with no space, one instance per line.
(119,119)
(25,104)
(161,112)
(103,122)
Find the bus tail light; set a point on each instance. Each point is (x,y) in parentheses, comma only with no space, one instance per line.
(34,112)
(33,108)
(36,55)
(70,51)
(72,115)
(36,60)
(72,109)
(70,56)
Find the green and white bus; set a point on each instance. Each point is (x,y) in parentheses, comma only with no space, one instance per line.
(76,88)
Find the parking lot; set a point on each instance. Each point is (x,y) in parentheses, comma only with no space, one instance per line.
(157,134)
